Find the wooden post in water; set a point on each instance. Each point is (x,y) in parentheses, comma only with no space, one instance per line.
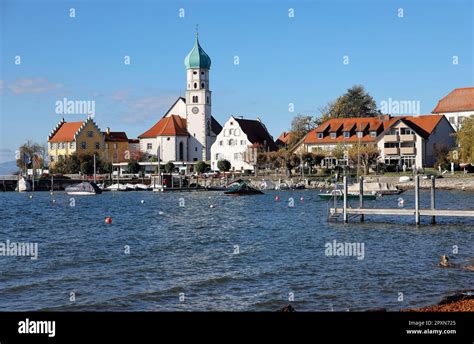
(417,200)
(433,198)
(344,211)
(361,197)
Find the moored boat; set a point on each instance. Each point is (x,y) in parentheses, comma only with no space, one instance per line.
(350,195)
(83,189)
(242,189)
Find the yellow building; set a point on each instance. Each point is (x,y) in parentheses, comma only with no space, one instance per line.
(68,137)
(116,146)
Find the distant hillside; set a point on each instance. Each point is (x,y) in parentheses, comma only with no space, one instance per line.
(8,168)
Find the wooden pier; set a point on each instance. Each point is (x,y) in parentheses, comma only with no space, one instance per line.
(417,212)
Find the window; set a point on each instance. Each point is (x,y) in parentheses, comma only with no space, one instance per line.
(333,135)
(237,132)
(221,143)
(360,134)
(320,135)
(231,142)
(451,120)
(373,133)
(84,145)
(115,146)
(231,131)
(181,151)
(97,145)
(195,99)
(231,123)
(347,134)
(406,131)
(195,72)
(242,142)
(202,73)
(72,145)
(90,133)
(195,85)
(202,85)
(149,146)
(167,139)
(207,100)
(195,149)
(106,146)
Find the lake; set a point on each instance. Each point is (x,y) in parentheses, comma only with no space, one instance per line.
(174,252)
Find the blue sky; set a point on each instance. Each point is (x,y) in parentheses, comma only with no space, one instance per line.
(283,60)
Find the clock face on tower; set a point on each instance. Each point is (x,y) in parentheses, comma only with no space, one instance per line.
(195,110)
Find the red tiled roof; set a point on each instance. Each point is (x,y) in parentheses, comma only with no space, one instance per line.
(460,99)
(172,125)
(423,125)
(117,136)
(66,132)
(284,137)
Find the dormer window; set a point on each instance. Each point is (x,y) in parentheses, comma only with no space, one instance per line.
(333,135)
(320,135)
(347,134)
(373,133)
(360,134)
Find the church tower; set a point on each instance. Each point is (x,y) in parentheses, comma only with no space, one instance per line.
(198,103)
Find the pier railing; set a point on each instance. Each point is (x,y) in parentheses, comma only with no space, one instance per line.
(416,212)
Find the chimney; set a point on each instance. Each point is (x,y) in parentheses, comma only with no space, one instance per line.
(258,119)
(107,131)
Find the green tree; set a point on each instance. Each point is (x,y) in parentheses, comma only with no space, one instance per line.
(356,102)
(87,166)
(465,140)
(32,150)
(441,154)
(133,167)
(223,165)
(365,155)
(169,167)
(201,167)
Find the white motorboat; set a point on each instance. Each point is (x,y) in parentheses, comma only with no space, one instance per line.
(83,189)
(23,185)
(117,187)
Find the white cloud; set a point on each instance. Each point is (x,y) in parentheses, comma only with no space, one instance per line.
(32,86)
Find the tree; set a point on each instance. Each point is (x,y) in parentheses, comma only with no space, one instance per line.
(300,126)
(201,167)
(223,165)
(465,140)
(356,102)
(87,166)
(169,167)
(133,167)
(365,155)
(30,155)
(339,151)
(441,154)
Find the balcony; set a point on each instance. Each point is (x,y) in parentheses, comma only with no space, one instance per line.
(391,138)
(392,151)
(408,138)
(408,150)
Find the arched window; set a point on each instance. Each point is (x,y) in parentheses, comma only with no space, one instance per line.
(181,151)
(202,85)
(195,85)
(195,99)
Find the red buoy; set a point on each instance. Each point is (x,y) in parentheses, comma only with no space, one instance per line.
(108,220)
(277,198)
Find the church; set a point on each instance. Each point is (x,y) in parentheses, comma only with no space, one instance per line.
(187,130)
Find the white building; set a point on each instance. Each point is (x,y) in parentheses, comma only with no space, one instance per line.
(401,140)
(239,141)
(187,130)
(456,106)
